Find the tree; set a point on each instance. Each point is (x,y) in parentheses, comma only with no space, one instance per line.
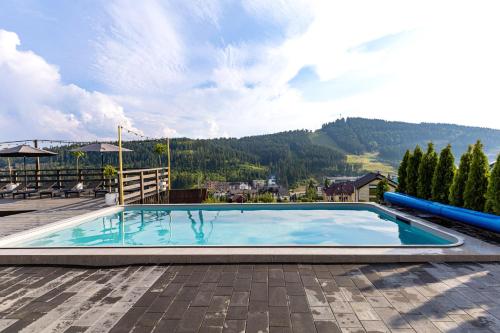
(382,187)
(458,187)
(443,175)
(426,172)
(402,172)
(109,172)
(477,181)
(160,149)
(493,193)
(78,155)
(412,171)
(311,191)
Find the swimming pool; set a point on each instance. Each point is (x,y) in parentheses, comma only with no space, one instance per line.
(260,225)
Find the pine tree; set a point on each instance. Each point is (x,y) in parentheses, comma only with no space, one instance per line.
(458,187)
(493,193)
(443,176)
(412,171)
(426,172)
(402,172)
(477,181)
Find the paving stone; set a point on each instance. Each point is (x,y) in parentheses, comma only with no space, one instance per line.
(219,303)
(364,311)
(391,318)
(347,320)
(259,292)
(277,296)
(375,326)
(302,323)
(237,313)
(329,326)
(279,316)
(341,307)
(257,322)
(192,319)
(298,304)
(322,313)
(239,298)
(234,326)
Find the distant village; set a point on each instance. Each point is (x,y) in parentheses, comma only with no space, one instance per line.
(334,189)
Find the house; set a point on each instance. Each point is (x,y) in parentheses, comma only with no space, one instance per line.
(363,189)
(258,183)
(340,192)
(366,186)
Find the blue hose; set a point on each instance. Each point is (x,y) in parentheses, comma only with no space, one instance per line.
(472,217)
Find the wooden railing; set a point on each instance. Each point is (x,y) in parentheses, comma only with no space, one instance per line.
(142,185)
(60,177)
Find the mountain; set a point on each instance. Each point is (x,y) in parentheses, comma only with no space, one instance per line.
(343,147)
(391,138)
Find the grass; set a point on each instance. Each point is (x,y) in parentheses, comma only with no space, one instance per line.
(369,162)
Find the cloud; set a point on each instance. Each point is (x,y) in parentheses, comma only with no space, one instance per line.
(35,102)
(225,68)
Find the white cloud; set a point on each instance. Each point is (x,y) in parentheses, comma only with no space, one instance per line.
(35,102)
(178,69)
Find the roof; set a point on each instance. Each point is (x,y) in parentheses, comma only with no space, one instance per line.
(346,187)
(369,177)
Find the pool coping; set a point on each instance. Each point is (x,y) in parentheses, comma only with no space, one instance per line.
(471,249)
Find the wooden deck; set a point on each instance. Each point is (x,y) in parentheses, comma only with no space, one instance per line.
(42,211)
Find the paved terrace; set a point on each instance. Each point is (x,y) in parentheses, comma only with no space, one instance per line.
(39,212)
(252,298)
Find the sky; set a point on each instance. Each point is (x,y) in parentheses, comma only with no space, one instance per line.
(77,69)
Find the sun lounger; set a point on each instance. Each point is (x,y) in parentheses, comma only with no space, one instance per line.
(48,190)
(75,190)
(97,188)
(24,192)
(8,189)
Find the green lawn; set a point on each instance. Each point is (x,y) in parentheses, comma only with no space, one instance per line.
(369,162)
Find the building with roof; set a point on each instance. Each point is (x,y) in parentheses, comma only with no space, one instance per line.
(363,189)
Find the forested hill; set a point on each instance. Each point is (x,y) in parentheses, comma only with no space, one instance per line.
(295,155)
(391,138)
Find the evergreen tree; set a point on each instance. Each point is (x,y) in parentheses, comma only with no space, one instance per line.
(426,172)
(443,176)
(412,171)
(458,187)
(477,181)
(493,193)
(382,187)
(402,172)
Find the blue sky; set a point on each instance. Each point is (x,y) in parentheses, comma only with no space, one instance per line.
(76,69)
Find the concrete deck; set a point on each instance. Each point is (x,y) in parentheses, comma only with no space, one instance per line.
(393,298)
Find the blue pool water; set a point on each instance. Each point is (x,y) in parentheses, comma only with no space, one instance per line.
(241,225)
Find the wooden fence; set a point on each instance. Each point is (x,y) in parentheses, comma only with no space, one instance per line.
(144,185)
(60,177)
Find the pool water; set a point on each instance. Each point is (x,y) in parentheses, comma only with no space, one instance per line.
(240,225)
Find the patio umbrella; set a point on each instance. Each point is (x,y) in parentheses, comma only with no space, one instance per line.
(101,148)
(25,151)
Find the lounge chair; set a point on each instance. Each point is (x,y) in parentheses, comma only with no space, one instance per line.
(8,189)
(77,189)
(97,188)
(24,192)
(49,189)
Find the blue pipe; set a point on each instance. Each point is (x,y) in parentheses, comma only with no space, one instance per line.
(472,217)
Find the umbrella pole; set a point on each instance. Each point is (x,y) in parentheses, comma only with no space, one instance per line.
(25,174)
